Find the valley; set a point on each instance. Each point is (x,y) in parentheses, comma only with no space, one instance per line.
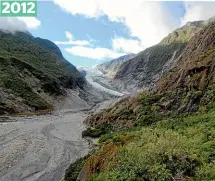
(148,116)
(43,109)
(40,148)
(165,133)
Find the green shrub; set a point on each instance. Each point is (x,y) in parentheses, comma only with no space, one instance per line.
(172,148)
(96,132)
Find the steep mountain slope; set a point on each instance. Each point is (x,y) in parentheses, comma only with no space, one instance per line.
(111,67)
(195,67)
(192,80)
(32,69)
(172,135)
(142,71)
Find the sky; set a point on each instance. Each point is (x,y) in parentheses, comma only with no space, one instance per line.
(90,32)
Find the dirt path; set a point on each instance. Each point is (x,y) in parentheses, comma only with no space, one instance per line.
(40,148)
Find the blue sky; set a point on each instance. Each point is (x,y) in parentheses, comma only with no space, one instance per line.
(54,23)
(106,29)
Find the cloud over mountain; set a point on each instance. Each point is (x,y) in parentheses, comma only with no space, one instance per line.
(18,24)
(195,11)
(148,21)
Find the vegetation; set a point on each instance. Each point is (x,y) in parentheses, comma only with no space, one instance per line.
(183,34)
(74,169)
(165,135)
(170,149)
(30,66)
(163,144)
(96,132)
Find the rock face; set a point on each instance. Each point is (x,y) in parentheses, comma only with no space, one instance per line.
(193,76)
(110,68)
(143,70)
(32,72)
(195,67)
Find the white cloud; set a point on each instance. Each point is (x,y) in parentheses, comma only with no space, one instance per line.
(127,45)
(18,24)
(195,11)
(12,24)
(93,53)
(148,21)
(69,36)
(85,7)
(31,22)
(120,47)
(71,41)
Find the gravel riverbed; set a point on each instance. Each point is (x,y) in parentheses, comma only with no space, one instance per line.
(40,148)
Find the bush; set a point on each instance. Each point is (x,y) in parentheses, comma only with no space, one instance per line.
(179,148)
(96,132)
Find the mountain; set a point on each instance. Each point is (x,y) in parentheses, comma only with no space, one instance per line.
(193,76)
(143,70)
(187,87)
(110,68)
(32,72)
(164,134)
(212,19)
(83,72)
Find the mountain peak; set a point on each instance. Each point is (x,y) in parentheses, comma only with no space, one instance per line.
(194,23)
